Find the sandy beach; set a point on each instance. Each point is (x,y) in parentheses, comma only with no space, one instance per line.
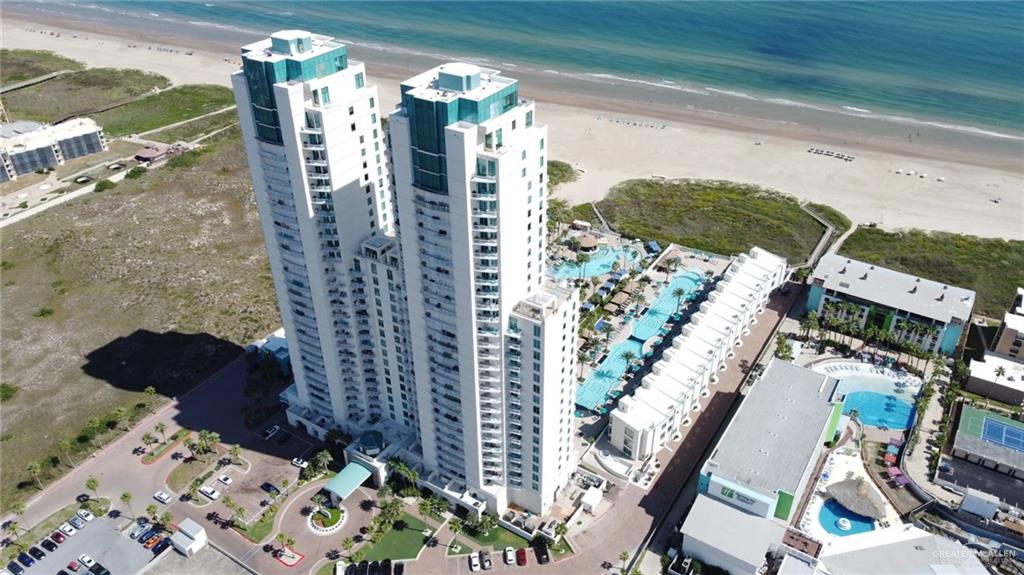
(611,141)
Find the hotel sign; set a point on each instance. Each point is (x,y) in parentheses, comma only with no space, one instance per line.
(740,497)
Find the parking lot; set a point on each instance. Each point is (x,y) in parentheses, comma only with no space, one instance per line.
(267,467)
(101,540)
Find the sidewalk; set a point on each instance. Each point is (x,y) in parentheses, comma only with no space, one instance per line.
(915,464)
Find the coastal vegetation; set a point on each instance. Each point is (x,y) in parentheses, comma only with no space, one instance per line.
(993,268)
(165,266)
(560,173)
(196,128)
(560,212)
(167,107)
(80,93)
(839,221)
(715,216)
(20,65)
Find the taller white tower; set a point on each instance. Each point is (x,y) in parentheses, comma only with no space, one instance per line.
(315,146)
(469,165)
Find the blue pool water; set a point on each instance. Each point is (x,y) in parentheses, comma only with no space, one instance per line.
(600,263)
(648,325)
(879,399)
(595,389)
(832,511)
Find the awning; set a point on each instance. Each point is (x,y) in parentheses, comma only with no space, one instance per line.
(347,480)
(893,472)
(611,308)
(857,496)
(889,458)
(893,450)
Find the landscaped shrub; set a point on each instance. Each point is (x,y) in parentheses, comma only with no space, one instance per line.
(104,185)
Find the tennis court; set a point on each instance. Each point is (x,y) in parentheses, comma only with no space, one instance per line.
(1002,434)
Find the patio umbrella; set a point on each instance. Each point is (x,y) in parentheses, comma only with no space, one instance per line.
(902,480)
(858,497)
(894,472)
(890,458)
(893,449)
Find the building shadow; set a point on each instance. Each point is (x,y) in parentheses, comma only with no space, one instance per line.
(171,362)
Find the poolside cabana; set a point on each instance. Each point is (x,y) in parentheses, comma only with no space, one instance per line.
(620,299)
(611,308)
(586,306)
(858,497)
(889,459)
(893,472)
(588,243)
(892,449)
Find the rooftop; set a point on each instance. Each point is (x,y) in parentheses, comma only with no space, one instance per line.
(456,80)
(20,136)
(902,291)
(543,302)
(914,551)
(992,436)
(717,525)
(774,434)
(290,45)
(985,369)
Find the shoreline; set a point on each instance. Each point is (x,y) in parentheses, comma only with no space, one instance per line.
(693,144)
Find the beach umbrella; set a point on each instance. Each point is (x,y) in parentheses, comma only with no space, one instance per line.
(857,496)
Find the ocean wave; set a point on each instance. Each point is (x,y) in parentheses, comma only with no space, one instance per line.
(974,130)
(732,93)
(859,110)
(666,84)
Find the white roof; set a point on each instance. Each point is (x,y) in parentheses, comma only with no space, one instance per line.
(985,370)
(741,535)
(592,497)
(46,136)
(425,85)
(636,413)
(927,298)
(190,528)
(905,549)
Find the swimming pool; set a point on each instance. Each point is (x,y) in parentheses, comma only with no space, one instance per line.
(881,397)
(600,263)
(595,389)
(649,325)
(830,514)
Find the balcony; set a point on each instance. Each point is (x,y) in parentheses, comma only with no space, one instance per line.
(310,130)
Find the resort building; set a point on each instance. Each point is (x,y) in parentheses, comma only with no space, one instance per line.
(469,164)
(930,314)
(313,137)
(1009,339)
(645,421)
(29,146)
(998,377)
(439,337)
(990,440)
(765,459)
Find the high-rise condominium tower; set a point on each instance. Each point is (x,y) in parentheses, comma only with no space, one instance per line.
(433,313)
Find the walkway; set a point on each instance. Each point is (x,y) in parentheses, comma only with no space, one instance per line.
(32,81)
(915,462)
(183,122)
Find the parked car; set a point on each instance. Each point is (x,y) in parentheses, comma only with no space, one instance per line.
(139,529)
(15,569)
(63,572)
(485,560)
(58,536)
(86,515)
(162,497)
(163,544)
(270,431)
(74,566)
(85,560)
(399,569)
(48,545)
(151,532)
(67,529)
(374,567)
(98,569)
(270,488)
(385,567)
(25,560)
(210,492)
(543,556)
(352,569)
(510,556)
(151,542)
(36,553)
(364,567)
(474,562)
(225,479)
(300,463)
(521,557)
(77,522)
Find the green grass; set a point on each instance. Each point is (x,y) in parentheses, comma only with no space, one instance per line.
(20,65)
(134,299)
(560,173)
(464,548)
(185,472)
(326,568)
(498,538)
(98,507)
(196,128)
(168,107)
(162,447)
(715,216)
(80,93)
(560,212)
(561,548)
(403,541)
(260,530)
(334,515)
(839,221)
(991,267)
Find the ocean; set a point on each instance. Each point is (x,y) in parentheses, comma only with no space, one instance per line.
(955,69)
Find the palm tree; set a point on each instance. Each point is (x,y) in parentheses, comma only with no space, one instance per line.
(161,429)
(581,261)
(487,522)
(235,453)
(606,330)
(385,491)
(238,513)
(347,544)
(33,469)
(281,538)
(229,502)
(151,511)
(624,556)
(166,518)
(581,358)
(148,439)
(92,484)
(424,507)
(120,416)
(678,293)
(319,501)
(456,526)
(150,392)
(65,449)
(645,281)
(322,459)
(12,528)
(1000,372)
(358,556)
(629,356)
(640,300)
(126,498)
(561,530)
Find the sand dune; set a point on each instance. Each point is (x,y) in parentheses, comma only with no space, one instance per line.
(611,150)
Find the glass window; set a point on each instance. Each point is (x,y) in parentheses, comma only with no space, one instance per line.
(360,82)
(372,103)
(529,119)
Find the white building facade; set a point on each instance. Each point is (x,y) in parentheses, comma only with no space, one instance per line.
(316,152)
(644,422)
(469,166)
